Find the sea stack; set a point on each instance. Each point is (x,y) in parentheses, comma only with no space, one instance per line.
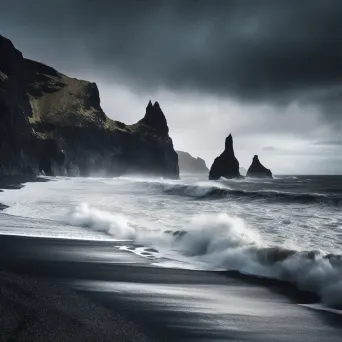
(257,170)
(226,165)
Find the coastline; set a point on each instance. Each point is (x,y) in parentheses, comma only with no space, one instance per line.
(17,182)
(40,309)
(166,304)
(80,290)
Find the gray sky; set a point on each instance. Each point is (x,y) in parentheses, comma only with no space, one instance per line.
(267,71)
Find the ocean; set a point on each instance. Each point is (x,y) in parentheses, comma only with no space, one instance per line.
(288,228)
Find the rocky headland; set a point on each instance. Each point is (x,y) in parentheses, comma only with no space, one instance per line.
(53,124)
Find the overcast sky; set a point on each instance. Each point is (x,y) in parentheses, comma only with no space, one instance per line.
(267,71)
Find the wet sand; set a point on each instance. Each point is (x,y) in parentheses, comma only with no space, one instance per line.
(119,290)
(34,309)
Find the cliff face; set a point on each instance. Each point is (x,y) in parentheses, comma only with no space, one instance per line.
(226,165)
(257,170)
(55,124)
(190,165)
(17,142)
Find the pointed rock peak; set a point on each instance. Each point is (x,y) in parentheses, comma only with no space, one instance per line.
(257,170)
(229,144)
(226,165)
(155,118)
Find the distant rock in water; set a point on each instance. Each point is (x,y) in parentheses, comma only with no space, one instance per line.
(243,171)
(190,165)
(257,170)
(226,165)
(53,124)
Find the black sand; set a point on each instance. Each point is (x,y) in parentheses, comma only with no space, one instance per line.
(122,297)
(71,290)
(37,310)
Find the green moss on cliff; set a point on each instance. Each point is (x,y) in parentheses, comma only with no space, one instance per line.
(59,100)
(55,123)
(112,126)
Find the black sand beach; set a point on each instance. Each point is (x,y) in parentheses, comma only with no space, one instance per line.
(121,297)
(41,309)
(76,290)
(178,171)
(34,309)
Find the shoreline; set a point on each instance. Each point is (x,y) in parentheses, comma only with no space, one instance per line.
(40,309)
(82,290)
(166,304)
(17,182)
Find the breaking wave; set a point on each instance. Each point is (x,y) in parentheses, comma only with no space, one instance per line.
(227,242)
(207,190)
(101,221)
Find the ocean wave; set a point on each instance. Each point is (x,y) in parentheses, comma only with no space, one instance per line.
(221,241)
(208,190)
(101,221)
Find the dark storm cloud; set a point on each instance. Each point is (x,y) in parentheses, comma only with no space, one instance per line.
(280,50)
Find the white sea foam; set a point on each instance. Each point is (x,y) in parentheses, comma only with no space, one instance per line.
(227,242)
(116,225)
(158,213)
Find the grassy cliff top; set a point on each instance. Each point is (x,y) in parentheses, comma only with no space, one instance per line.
(57,99)
(61,101)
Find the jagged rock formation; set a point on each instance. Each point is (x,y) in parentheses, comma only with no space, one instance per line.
(190,165)
(53,123)
(226,165)
(257,170)
(155,118)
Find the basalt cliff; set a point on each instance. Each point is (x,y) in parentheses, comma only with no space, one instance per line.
(54,124)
